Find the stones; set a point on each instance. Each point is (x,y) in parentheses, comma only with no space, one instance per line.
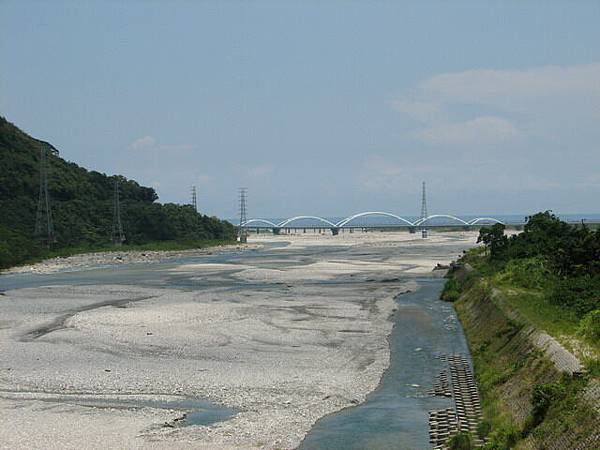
(466,413)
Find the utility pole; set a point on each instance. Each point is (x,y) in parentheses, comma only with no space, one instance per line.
(423,211)
(242,233)
(44,227)
(118,237)
(194,199)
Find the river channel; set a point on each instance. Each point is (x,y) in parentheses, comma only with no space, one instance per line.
(275,347)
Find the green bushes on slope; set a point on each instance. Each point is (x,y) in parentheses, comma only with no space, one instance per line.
(547,277)
(81,203)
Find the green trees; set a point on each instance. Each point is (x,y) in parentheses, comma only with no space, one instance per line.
(82,205)
(559,259)
(494,239)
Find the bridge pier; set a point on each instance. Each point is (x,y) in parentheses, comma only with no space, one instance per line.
(276,231)
(335,231)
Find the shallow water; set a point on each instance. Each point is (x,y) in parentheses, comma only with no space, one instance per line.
(395,416)
(197,411)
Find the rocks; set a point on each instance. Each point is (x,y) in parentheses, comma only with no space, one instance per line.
(248,334)
(89,260)
(466,413)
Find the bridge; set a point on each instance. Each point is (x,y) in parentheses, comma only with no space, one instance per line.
(352,222)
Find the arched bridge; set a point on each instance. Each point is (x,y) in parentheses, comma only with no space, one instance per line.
(350,221)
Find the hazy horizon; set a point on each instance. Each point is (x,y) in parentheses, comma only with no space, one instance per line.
(318,108)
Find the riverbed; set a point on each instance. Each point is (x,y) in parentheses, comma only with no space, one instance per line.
(242,349)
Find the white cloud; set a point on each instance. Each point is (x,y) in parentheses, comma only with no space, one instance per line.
(258,171)
(384,174)
(488,86)
(143,143)
(419,110)
(481,130)
(552,103)
(148,143)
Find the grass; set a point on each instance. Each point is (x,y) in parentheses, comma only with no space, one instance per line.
(526,289)
(509,370)
(559,322)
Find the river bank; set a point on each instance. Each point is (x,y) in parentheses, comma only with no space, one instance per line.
(282,335)
(537,394)
(89,260)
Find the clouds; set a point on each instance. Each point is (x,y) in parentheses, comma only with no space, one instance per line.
(150,144)
(487,106)
(501,87)
(143,143)
(481,130)
(420,110)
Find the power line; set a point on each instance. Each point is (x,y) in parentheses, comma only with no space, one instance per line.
(44,226)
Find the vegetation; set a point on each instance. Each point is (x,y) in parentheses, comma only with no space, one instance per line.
(81,203)
(460,441)
(550,272)
(549,275)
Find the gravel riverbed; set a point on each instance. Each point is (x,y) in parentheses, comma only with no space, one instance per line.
(282,335)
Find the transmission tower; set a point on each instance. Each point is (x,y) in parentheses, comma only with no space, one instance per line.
(44,228)
(423,210)
(242,234)
(118,237)
(423,203)
(194,199)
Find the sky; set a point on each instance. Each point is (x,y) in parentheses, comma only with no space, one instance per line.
(318,107)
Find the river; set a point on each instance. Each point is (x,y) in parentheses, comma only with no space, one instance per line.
(277,347)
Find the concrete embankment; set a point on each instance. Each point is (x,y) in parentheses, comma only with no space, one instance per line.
(536,394)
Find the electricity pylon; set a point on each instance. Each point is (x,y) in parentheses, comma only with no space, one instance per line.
(44,227)
(118,237)
(423,211)
(242,234)
(194,199)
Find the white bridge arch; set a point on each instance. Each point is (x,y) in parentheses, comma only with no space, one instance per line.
(439,216)
(342,223)
(265,221)
(372,213)
(485,219)
(293,219)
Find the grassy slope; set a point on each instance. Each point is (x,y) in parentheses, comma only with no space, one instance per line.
(511,373)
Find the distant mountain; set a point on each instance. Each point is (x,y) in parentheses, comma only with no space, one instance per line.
(82,204)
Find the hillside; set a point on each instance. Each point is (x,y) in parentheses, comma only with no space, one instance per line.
(530,308)
(82,205)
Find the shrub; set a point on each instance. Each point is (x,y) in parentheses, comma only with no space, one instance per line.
(589,326)
(580,294)
(452,290)
(544,395)
(503,438)
(460,441)
(529,273)
(483,429)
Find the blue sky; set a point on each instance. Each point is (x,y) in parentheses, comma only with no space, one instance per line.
(324,108)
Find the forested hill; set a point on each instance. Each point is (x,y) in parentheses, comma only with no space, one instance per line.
(82,205)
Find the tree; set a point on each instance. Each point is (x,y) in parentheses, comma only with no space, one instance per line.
(494,239)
